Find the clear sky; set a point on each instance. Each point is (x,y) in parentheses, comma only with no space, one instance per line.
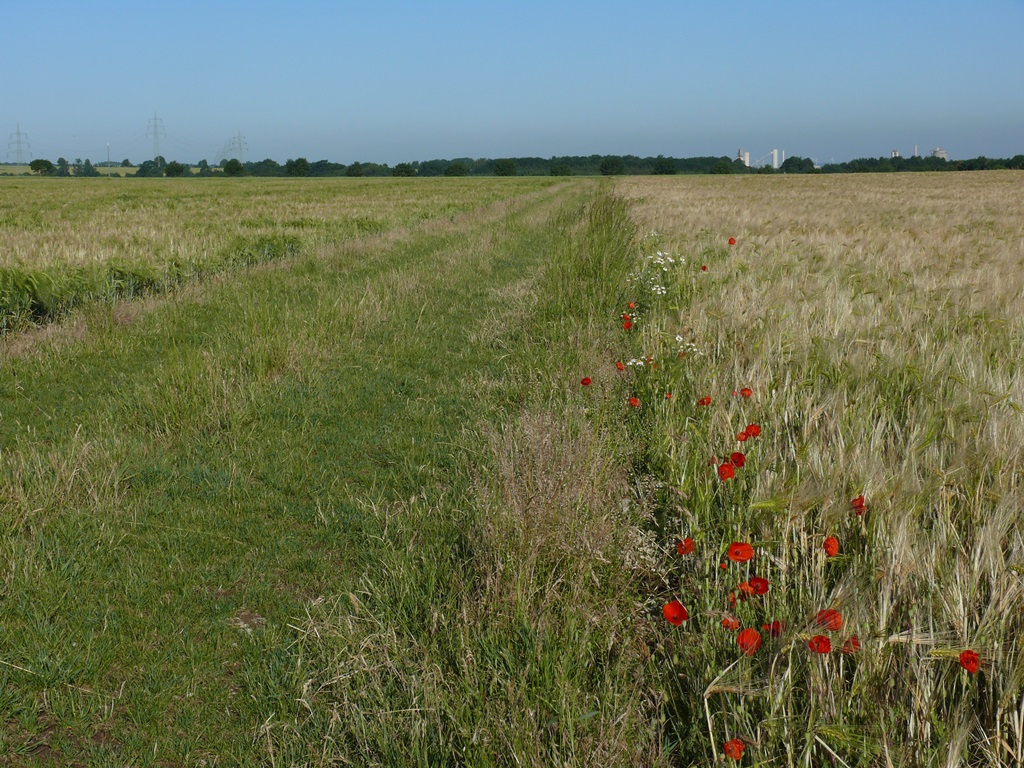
(390,81)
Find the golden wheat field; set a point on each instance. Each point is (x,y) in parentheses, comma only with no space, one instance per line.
(876,323)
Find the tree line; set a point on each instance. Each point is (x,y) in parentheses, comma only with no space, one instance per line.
(574,165)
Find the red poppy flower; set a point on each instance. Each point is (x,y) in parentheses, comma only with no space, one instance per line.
(726,471)
(733,748)
(706,400)
(685,547)
(625,316)
(749,640)
(740,552)
(635,402)
(774,629)
(703,267)
(760,585)
(858,505)
(735,393)
(738,458)
(820,644)
(585,381)
(731,622)
(746,391)
(753,430)
(675,613)
(668,395)
(732,241)
(852,645)
(620,365)
(970,661)
(723,565)
(829,619)
(742,437)
(745,588)
(831,546)
(632,305)
(627,325)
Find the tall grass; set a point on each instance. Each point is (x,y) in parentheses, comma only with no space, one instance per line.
(507,633)
(884,360)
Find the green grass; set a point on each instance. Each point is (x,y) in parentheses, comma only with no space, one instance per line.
(253,450)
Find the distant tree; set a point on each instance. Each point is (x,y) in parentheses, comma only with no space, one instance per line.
(1016,162)
(981,163)
(456,169)
(723,165)
(505,167)
(374,169)
(233,167)
(432,168)
(126,163)
(152,168)
(174,169)
(612,166)
(326,168)
(663,166)
(561,169)
(63,169)
(265,167)
(42,167)
(85,168)
(797,164)
(300,166)
(765,169)
(355,169)
(404,169)
(204,168)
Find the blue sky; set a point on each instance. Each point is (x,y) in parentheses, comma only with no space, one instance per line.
(389,81)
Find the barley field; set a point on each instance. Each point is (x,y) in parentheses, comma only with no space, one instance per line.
(664,471)
(871,328)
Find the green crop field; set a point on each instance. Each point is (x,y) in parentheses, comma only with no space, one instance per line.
(527,471)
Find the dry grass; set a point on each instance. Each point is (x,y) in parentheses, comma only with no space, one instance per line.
(81,222)
(879,321)
(65,243)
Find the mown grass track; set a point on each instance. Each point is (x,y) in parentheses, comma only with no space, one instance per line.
(182,482)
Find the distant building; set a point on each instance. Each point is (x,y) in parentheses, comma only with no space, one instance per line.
(895,153)
(940,153)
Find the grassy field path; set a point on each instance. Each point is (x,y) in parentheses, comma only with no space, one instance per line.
(182,477)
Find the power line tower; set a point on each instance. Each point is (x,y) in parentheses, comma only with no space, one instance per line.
(155,128)
(19,141)
(236,147)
